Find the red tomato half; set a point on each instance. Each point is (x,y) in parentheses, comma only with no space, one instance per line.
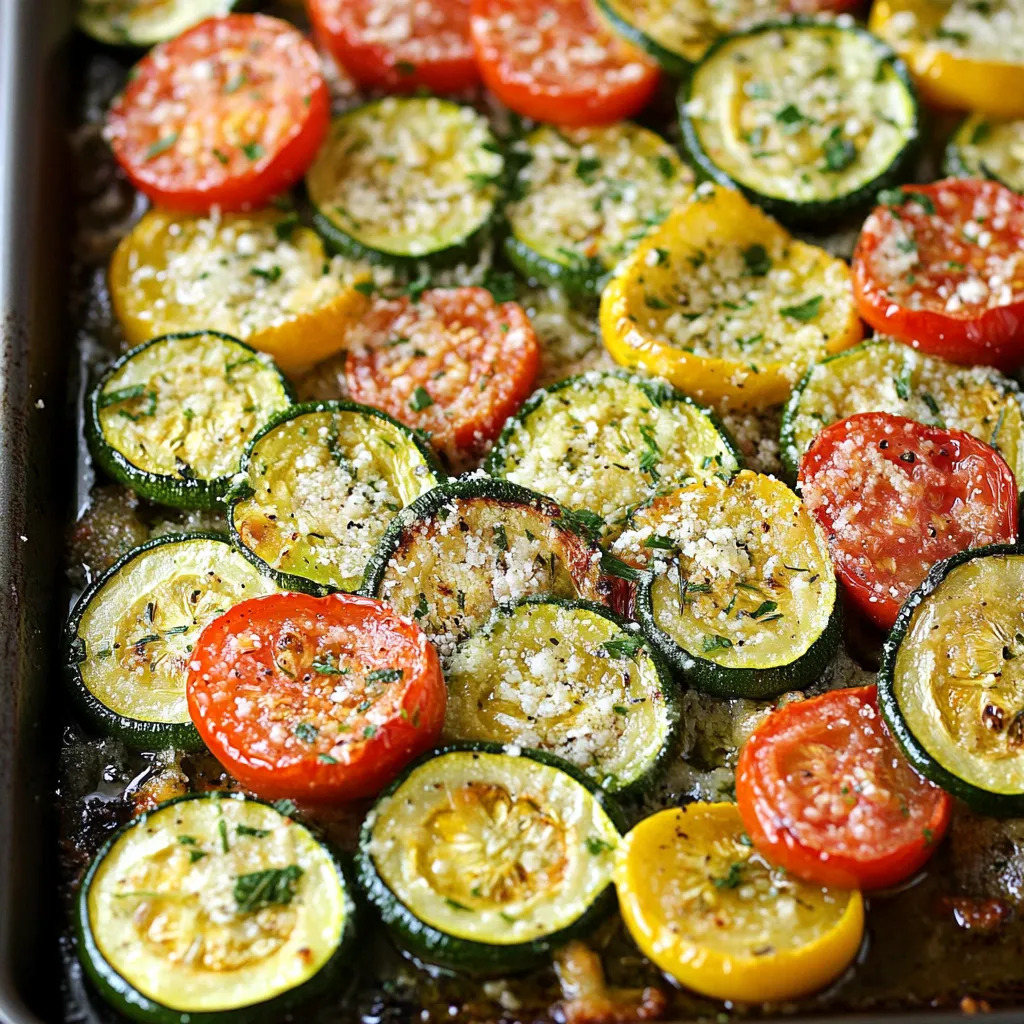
(229,114)
(454,363)
(943,270)
(319,699)
(895,497)
(825,793)
(556,60)
(399,44)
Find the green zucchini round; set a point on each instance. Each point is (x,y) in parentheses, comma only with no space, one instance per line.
(128,640)
(799,166)
(585,198)
(603,443)
(571,678)
(154,872)
(458,551)
(985,148)
(172,418)
(676,55)
(129,23)
(883,375)
(427,175)
(481,910)
(738,593)
(970,605)
(322,482)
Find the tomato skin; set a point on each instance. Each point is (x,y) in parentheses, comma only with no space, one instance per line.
(955,492)
(573,94)
(933,322)
(234,138)
(474,373)
(825,793)
(347,28)
(252,714)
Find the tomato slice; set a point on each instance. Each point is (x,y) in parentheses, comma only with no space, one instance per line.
(825,793)
(454,363)
(319,699)
(896,496)
(556,60)
(942,268)
(228,114)
(399,45)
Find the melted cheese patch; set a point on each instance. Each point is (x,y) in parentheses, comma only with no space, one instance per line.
(325,486)
(493,848)
(564,680)
(172,910)
(743,576)
(407,176)
(992,31)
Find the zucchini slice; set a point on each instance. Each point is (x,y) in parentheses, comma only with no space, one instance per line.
(808,118)
(258,276)
(951,684)
(172,418)
(571,678)
(144,22)
(484,858)
(726,305)
(605,442)
(322,482)
(213,908)
(405,179)
(587,196)
(985,148)
(740,595)
(883,375)
(130,635)
(458,551)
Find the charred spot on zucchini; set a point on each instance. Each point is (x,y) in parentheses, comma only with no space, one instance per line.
(458,551)
(131,23)
(984,147)
(322,482)
(951,684)
(213,905)
(483,858)
(606,442)
(883,375)
(739,592)
(172,418)
(808,118)
(586,197)
(571,678)
(129,640)
(404,179)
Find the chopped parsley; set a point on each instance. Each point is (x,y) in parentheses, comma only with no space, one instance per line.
(270,888)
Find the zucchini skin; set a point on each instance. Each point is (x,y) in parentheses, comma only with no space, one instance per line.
(133,732)
(811,213)
(426,505)
(465,955)
(751,683)
(997,805)
(658,392)
(241,491)
(124,997)
(164,490)
(670,689)
(576,283)
(672,63)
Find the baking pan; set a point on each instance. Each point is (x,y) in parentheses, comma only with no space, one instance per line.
(41,463)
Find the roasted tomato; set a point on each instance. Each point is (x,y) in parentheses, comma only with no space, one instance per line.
(557,61)
(399,44)
(896,496)
(228,114)
(825,793)
(319,699)
(941,267)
